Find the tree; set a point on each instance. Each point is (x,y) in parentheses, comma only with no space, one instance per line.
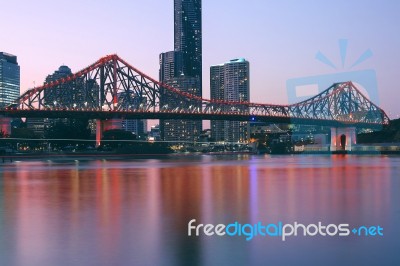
(27,138)
(390,133)
(118,134)
(23,133)
(124,146)
(110,137)
(66,130)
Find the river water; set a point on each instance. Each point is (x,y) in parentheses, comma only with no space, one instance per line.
(136,212)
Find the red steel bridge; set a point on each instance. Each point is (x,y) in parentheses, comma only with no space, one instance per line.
(113,89)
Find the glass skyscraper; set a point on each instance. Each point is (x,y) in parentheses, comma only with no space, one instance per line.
(187,36)
(230,82)
(170,65)
(9,79)
(181,68)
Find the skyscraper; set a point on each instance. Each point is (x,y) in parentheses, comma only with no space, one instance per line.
(129,100)
(217,93)
(230,82)
(181,130)
(188,36)
(53,95)
(52,98)
(84,93)
(171,65)
(181,68)
(62,72)
(9,79)
(137,126)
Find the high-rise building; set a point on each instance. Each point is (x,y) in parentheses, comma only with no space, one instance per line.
(52,97)
(181,130)
(9,79)
(188,36)
(217,93)
(136,126)
(170,65)
(181,68)
(62,72)
(84,93)
(131,101)
(56,97)
(154,133)
(230,82)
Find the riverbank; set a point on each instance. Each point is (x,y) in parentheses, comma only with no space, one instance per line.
(102,155)
(112,155)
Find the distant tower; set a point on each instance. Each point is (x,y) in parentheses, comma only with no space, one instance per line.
(55,96)
(9,79)
(62,72)
(84,93)
(230,82)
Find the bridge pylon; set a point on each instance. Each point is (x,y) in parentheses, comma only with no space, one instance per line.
(104,125)
(343,138)
(5,125)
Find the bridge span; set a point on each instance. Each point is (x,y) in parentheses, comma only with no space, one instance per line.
(111,88)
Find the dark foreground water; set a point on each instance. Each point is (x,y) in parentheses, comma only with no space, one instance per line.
(136,212)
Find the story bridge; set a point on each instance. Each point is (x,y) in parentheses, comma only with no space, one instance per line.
(111,89)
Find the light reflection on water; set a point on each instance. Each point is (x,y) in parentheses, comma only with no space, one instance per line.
(135,212)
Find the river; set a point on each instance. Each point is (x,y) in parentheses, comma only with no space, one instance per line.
(136,211)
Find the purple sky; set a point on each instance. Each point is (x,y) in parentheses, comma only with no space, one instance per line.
(279,38)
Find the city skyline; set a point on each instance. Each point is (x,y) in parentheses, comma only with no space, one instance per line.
(282,40)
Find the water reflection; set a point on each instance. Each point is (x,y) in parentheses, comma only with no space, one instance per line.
(136,212)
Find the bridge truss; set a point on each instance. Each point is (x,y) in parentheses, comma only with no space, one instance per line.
(112,88)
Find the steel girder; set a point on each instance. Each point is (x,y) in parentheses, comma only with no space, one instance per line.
(111,84)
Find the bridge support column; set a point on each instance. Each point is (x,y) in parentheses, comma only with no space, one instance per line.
(342,138)
(5,125)
(99,131)
(104,125)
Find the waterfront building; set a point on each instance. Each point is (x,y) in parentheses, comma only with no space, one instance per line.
(154,133)
(136,126)
(9,79)
(230,82)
